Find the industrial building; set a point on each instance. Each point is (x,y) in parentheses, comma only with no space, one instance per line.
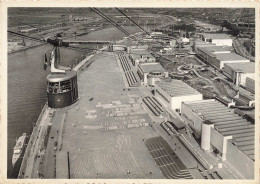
(224,132)
(250,84)
(140,56)
(207,51)
(200,43)
(238,72)
(174,93)
(144,69)
(185,40)
(218,56)
(218,39)
(29,30)
(172,43)
(114,47)
(161,37)
(222,59)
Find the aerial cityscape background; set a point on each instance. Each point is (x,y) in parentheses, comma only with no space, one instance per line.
(172,90)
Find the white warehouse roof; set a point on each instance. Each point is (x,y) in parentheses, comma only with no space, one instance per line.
(230,57)
(215,36)
(247,67)
(149,67)
(227,123)
(177,88)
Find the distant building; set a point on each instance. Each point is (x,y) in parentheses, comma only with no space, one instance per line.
(29,30)
(250,84)
(173,43)
(144,69)
(229,135)
(80,19)
(200,43)
(206,51)
(167,50)
(218,56)
(113,47)
(156,33)
(185,40)
(140,56)
(175,92)
(220,59)
(12,43)
(218,39)
(238,72)
(161,37)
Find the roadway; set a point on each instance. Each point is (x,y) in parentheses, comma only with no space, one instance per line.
(34,158)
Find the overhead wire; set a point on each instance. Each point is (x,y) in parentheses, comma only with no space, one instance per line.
(141,29)
(111,21)
(132,21)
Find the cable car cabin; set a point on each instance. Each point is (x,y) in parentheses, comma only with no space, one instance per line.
(62,89)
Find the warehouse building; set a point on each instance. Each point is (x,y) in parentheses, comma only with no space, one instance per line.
(250,84)
(222,59)
(140,56)
(162,37)
(175,92)
(200,43)
(238,72)
(29,30)
(113,48)
(144,69)
(218,39)
(218,55)
(218,60)
(224,132)
(206,52)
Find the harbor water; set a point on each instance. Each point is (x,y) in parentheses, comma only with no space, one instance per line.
(27,86)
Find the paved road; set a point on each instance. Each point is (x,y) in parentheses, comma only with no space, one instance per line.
(33,159)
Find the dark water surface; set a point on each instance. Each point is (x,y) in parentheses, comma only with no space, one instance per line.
(27,86)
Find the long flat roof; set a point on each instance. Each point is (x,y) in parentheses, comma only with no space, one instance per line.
(177,88)
(203,42)
(137,53)
(149,67)
(230,57)
(213,48)
(140,51)
(216,36)
(227,123)
(247,67)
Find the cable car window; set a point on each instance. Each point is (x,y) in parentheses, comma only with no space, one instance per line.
(53,87)
(65,86)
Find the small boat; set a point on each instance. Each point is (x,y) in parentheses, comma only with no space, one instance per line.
(18,148)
